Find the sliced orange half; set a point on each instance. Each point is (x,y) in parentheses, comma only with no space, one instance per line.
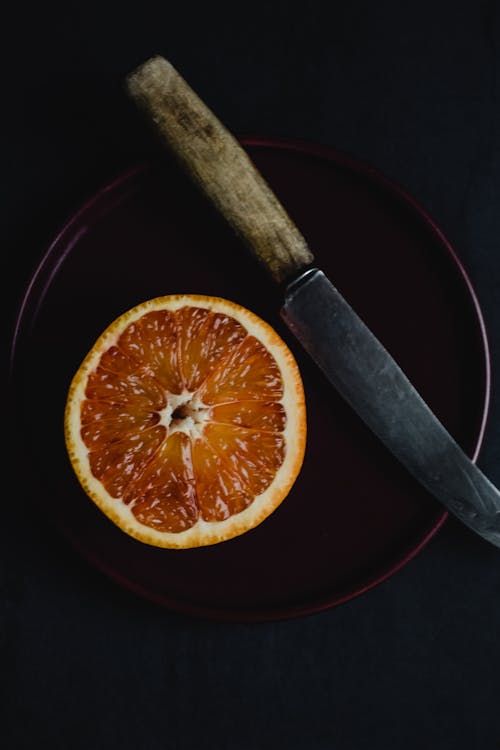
(186,422)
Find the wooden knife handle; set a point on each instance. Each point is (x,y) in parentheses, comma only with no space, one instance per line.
(219,166)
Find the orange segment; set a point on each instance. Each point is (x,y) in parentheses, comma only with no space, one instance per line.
(137,389)
(185,423)
(152,342)
(232,465)
(115,360)
(163,497)
(218,489)
(250,372)
(205,338)
(118,463)
(257,415)
(102,422)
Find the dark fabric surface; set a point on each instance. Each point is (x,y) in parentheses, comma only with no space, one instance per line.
(412,88)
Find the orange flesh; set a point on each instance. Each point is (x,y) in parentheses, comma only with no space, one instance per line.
(170,479)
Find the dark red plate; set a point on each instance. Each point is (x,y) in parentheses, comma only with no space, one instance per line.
(354,516)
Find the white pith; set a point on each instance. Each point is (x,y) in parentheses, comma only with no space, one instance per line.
(202,532)
(192,424)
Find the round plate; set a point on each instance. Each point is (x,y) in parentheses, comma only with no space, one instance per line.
(354,515)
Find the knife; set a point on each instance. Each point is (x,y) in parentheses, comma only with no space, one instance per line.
(352,358)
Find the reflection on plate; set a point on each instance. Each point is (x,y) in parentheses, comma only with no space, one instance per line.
(354,516)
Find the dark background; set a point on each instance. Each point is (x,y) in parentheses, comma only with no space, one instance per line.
(412,88)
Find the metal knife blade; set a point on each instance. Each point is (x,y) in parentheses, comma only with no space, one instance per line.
(368,378)
(352,358)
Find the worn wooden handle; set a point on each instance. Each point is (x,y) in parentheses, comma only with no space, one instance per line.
(219,166)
